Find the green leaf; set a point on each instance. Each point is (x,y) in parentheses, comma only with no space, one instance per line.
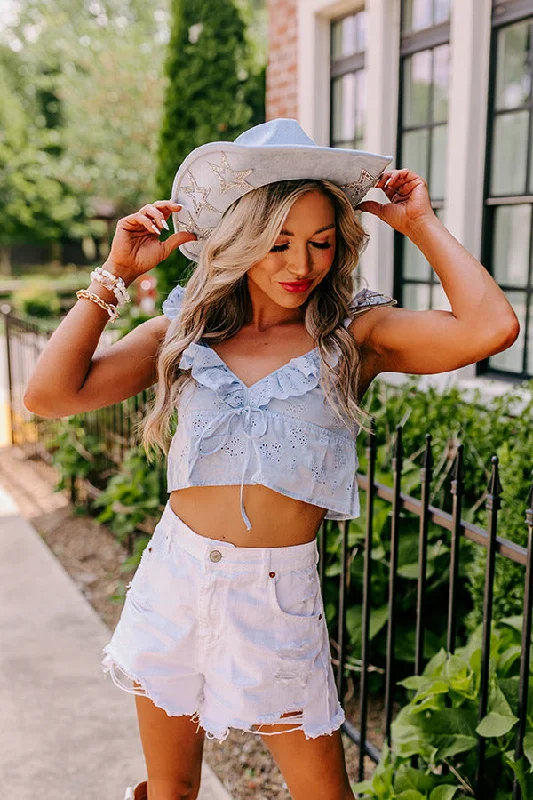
(409,778)
(496,725)
(443,793)
(528,748)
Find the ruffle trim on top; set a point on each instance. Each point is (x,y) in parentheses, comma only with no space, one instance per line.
(298,376)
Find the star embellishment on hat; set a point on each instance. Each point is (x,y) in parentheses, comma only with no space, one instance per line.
(229,178)
(192,226)
(212,177)
(198,194)
(357,189)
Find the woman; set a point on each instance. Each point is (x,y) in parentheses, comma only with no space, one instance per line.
(266,354)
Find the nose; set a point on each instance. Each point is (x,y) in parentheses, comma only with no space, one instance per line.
(301,262)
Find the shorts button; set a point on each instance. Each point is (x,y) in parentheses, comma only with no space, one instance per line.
(271,574)
(215,555)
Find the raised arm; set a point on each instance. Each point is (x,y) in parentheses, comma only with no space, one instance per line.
(481,321)
(68,377)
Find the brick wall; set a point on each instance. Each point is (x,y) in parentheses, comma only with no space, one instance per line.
(282,70)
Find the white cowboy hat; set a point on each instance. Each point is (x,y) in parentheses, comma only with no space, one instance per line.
(215,175)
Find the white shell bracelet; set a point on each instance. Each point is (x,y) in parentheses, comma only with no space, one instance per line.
(112,282)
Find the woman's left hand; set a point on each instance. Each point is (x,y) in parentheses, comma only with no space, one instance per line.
(409,201)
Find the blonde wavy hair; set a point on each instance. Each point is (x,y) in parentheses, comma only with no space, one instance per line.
(216,303)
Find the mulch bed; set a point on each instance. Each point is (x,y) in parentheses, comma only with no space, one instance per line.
(93,558)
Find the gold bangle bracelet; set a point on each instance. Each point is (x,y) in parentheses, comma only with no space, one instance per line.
(111,310)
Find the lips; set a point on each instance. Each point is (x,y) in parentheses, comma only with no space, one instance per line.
(297,286)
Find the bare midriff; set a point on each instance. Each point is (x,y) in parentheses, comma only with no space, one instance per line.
(277,520)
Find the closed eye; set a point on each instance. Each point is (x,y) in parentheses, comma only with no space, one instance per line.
(279,248)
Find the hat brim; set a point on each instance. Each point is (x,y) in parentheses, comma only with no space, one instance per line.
(215,175)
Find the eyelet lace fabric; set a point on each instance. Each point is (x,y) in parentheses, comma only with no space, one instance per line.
(279,432)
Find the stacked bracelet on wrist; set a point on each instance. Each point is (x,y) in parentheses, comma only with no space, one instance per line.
(112,282)
(111,309)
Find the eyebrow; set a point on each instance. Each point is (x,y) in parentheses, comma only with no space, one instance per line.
(285,232)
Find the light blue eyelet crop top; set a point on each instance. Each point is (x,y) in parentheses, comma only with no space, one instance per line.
(280,432)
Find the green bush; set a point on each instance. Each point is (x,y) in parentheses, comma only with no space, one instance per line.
(440,727)
(37,300)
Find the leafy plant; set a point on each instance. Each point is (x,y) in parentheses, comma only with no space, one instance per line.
(500,427)
(131,496)
(73,451)
(440,726)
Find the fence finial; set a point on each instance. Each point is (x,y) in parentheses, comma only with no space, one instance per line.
(494,488)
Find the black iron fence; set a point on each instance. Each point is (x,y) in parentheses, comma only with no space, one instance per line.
(114,425)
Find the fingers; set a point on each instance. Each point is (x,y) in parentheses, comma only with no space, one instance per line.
(398,182)
(152,216)
(158,212)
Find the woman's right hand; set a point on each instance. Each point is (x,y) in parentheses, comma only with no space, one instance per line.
(136,246)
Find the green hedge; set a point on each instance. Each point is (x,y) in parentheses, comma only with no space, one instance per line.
(215,91)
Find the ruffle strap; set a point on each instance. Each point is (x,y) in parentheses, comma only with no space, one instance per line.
(172,303)
(365,299)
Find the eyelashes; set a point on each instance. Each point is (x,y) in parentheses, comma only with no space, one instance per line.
(280,248)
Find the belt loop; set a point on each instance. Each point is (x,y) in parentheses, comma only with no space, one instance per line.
(266,562)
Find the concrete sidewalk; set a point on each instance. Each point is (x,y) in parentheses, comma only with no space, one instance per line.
(67,732)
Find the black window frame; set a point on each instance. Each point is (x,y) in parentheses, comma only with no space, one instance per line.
(505,13)
(412,42)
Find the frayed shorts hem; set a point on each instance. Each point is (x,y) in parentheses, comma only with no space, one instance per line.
(111,665)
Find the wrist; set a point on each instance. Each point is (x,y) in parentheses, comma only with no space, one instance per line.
(420,228)
(102,291)
(119,272)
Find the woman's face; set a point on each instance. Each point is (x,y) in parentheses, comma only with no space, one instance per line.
(302,254)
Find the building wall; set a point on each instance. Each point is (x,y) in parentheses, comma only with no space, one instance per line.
(282,73)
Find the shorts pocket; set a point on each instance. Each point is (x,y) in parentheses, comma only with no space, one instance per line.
(296,595)
(148,573)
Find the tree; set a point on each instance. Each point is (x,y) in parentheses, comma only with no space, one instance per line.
(214,91)
(81,104)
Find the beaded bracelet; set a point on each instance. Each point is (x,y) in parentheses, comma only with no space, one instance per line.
(111,310)
(112,282)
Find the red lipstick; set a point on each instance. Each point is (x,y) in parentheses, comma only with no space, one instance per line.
(297,286)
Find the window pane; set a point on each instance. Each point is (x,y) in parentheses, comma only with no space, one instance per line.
(344,108)
(348,35)
(414,262)
(360,32)
(416,297)
(509,154)
(418,14)
(416,85)
(437,184)
(349,101)
(346,145)
(441,79)
(415,152)
(441,11)
(511,244)
(440,301)
(511,359)
(513,80)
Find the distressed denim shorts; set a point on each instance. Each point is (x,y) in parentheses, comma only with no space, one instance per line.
(232,636)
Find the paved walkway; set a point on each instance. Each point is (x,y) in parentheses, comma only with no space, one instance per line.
(67,732)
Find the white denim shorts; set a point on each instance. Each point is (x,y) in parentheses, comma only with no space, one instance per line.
(232,636)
